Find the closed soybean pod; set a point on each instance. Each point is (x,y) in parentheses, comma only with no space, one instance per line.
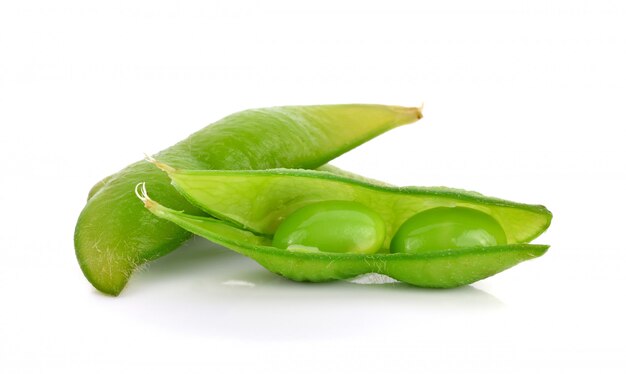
(114,234)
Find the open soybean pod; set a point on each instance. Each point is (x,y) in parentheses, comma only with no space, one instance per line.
(251,205)
(115,234)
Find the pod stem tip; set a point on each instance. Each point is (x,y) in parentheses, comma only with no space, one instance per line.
(142,194)
(165,167)
(420,109)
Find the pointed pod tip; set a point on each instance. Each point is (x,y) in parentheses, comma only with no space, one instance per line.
(409,114)
(165,167)
(142,193)
(418,111)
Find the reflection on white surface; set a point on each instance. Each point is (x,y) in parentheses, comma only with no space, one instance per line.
(238,283)
(373,278)
(210,290)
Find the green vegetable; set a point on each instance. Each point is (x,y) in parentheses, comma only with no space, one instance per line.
(114,234)
(332,226)
(251,205)
(447,228)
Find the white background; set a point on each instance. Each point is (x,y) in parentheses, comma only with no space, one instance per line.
(523,100)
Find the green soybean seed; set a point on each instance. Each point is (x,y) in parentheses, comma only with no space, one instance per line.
(447,228)
(332,226)
(115,234)
(264,197)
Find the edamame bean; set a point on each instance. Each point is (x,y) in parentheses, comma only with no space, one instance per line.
(332,226)
(264,197)
(447,228)
(114,234)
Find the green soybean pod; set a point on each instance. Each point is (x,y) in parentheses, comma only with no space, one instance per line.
(114,234)
(265,198)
